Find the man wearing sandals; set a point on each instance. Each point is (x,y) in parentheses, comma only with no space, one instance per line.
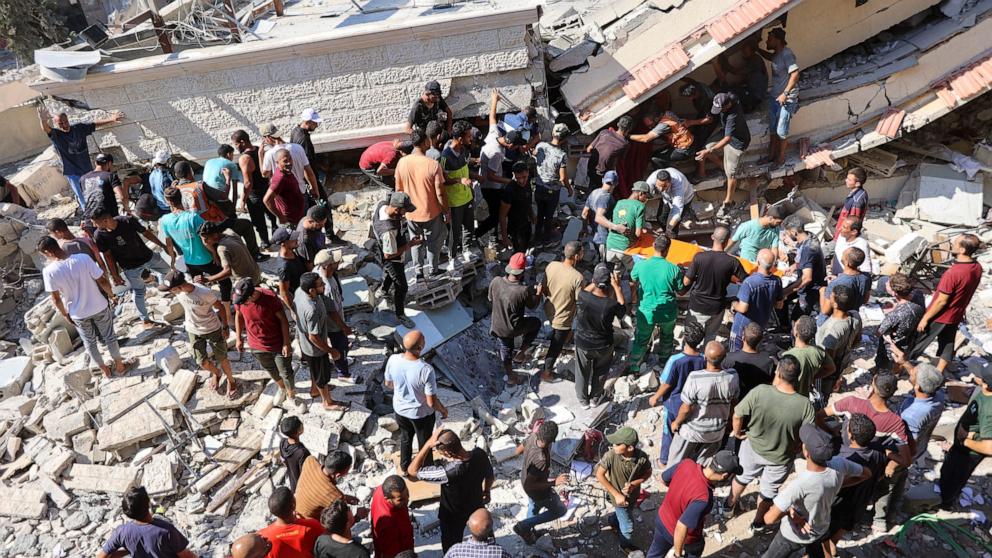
(204,325)
(80,290)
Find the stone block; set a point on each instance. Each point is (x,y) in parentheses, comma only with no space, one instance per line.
(26,503)
(66,426)
(168,359)
(136,426)
(388,423)
(14,373)
(920,498)
(503,449)
(321,439)
(13,447)
(947,196)
(174,313)
(904,248)
(355,418)
(158,476)
(17,407)
(60,343)
(101,478)
(531,410)
(57,462)
(181,384)
(54,491)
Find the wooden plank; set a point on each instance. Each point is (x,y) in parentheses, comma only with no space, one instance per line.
(232,486)
(420,491)
(230,458)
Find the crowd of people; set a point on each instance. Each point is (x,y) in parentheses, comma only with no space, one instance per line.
(734,408)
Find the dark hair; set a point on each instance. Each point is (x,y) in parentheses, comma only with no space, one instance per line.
(290,426)
(794,222)
(970,244)
(789,369)
(136,503)
(885,384)
(334,518)
(210,228)
(56,225)
(406,554)
(338,461)
(753,334)
(99,211)
(775,212)
(662,243)
(240,135)
(693,335)
(901,284)
(460,128)
(418,137)
(393,484)
(859,173)
(182,169)
(861,428)
(173,195)
(47,244)
(854,257)
(844,297)
(224,150)
(856,224)
(309,281)
(449,441)
(547,432)
(805,329)
(281,503)
(433,129)
(625,123)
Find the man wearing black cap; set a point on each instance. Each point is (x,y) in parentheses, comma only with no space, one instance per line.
(102,186)
(594,333)
(258,312)
(392,243)
(736,138)
(291,266)
(516,210)
(808,498)
(430,107)
(205,323)
(687,503)
(311,230)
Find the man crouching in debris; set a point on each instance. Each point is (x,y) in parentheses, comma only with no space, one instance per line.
(145,532)
(392,243)
(621,472)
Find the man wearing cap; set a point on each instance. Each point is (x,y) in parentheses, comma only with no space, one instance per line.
(621,472)
(562,285)
(808,498)
(767,422)
(630,214)
(255,185)
(516,210)
(421,178)
(552,176)
(79,291)
(783,98)
(121,239)
(458,180)
(378,161)
(677,193)
(160,178)
(655,286)
(205,323)
(510,298)
(300,135)
(736,138)
(606,149)
(325,264)
(972,441)
(392,243)
(758,234)
(311,229)
(102,186)
(429,107)
(598,210)
(689,499)
(258,312)
(594,343)
(70,144)
(290,266)
(312,335)
(708,399)
(701,97)
(678,137)
(309,120)
(235,259)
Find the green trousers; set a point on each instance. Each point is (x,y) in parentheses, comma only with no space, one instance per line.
(662,319)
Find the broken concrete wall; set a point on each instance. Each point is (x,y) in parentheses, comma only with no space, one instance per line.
(819,29)
(20,134)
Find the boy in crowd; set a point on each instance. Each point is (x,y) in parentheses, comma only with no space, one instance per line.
(621,472)
(291,450)
(540,489)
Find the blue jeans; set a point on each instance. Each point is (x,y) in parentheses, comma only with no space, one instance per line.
(623,523)
(77,190)
(670,410)
(664,541)
(779,116)
(133,277)
(553,509)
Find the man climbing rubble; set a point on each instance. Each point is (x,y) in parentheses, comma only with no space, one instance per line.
(392,243)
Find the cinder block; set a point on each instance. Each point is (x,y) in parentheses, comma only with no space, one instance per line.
(100,478)
(60,343)
(26,503)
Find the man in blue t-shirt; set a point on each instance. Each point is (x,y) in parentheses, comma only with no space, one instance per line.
(673,377)
(598,212)
(181,228)
(759,295)
(146,536)
(222,173)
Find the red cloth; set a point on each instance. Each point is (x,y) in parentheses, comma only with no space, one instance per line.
(960,282)
(288,198)
(687,486)
(392,531)
(632,166)
(377,154)
(264,330)
(295,540)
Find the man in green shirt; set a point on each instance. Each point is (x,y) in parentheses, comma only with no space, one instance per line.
(759,233)
(814,362)
(972,442)
(629,213)
(656,284)
(621,472)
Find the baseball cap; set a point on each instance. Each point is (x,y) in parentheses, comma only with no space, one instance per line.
(161,157)
(726,462)
(326,256)
(318,212)
(310,115)
(560,130)
(104,158)
(641,186)
(720,101)
(268,129)
(172,279)
(519,166)
(626,436)
(401,199)
(284,235)
(928,378)
(601,276)
(518,262)
(432,86)
(663,175)
(817,443)
(611,177)
(514,137)
(243,290)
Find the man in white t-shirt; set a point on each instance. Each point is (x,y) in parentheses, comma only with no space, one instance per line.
(301,166)
(79,291)
(205,323)
(850,237)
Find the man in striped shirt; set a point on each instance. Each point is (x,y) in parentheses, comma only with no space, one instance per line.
(856,202)
(708,399)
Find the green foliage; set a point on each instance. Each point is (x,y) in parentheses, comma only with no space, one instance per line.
(27,25)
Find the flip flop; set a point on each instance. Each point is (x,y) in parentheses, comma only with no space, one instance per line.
(234,392)
(335,407)
(521,357)
(214,382)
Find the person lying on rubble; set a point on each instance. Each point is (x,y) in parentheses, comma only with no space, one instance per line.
(145,535)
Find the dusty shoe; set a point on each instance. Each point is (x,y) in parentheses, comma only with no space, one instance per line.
(528,535)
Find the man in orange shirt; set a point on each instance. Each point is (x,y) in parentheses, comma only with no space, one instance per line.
(421,178)
(291,536)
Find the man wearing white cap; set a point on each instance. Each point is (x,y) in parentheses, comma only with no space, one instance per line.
(310,119)
(160,178)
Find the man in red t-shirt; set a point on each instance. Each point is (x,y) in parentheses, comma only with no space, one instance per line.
(284,198)
(291,536)
(950,301)
(260,312)
(688,500)
(379,160)
(392,531)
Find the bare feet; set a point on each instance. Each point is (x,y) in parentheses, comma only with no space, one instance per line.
(333,405)
(214,382)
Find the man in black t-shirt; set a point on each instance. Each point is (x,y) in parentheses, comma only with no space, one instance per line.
(510,298)
(736,138)
(466,479)
(102,187)
(754,367)
(708,277)
(516,210)
(811,269)
(594,333)
(291,267)
(540,489)
(430,107)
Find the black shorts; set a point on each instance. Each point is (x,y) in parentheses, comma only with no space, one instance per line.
(944,334)
(320,369)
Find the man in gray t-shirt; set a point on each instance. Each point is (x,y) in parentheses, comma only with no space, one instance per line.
(414,386)
(313,336)
(708,399)
(783,100)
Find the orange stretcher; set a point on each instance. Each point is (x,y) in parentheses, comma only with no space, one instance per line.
(680,253)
